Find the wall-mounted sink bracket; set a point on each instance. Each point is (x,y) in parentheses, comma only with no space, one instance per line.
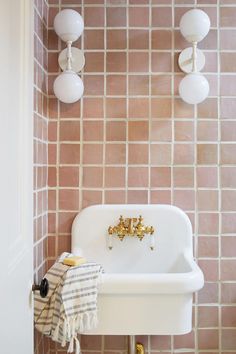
(131,227)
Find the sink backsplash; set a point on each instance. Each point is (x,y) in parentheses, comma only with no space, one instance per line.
(172,238)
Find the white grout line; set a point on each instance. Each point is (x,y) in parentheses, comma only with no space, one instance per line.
(57,163)
(172,115)
(104,111)
(150,105)
(127,108)
(219,179)
(195,235)
(81,128)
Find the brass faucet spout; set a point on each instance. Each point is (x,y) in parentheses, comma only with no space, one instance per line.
(131,228)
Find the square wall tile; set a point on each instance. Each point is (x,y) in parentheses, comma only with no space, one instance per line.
(131,139)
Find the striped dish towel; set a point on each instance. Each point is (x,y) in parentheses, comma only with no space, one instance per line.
(70,307)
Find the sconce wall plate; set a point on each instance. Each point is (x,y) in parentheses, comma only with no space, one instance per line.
(77,59)
(185,60)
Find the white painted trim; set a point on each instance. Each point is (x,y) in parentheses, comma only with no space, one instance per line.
(26,112)
(16,175)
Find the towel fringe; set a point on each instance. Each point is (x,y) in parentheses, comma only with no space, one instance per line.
(71,346)
(73,340)
(70,327)
(77,345)
(55,335)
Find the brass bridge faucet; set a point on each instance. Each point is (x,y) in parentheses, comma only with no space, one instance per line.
(130,227)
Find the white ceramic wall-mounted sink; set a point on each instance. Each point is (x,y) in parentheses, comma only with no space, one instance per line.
(143,291)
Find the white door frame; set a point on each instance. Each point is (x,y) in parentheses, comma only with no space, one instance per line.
(16,176)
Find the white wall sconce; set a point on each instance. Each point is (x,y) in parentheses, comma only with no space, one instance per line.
(68,86)
(194,87)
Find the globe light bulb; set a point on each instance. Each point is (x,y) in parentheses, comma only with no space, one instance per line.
(194,25)
(68,87)
(194,88)
(68,25)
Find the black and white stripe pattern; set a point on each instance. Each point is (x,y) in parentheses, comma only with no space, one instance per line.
(71,304)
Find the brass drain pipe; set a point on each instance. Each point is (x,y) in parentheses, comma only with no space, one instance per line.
(135,348)
(140,348)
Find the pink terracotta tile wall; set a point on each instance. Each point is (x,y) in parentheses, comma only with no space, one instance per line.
(131,139)
(40,150)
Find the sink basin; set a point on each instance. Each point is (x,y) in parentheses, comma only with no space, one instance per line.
(143,291)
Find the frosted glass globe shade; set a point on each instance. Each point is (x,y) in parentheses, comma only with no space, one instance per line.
(194,88)
(68,25)
(68,87)
(194,25)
